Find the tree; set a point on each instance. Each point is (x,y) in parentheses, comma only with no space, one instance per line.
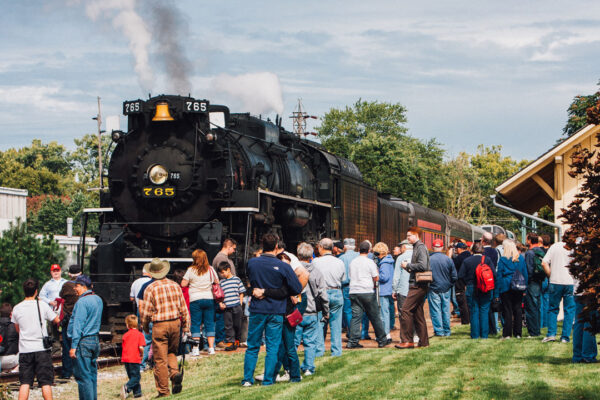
(584,110)
(85,157)
(472,178)
(462,193)
(583,235)
(373,136)
(40,168)
(48,214)
(22,256)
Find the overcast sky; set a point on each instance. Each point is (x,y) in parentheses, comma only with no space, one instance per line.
(468,72)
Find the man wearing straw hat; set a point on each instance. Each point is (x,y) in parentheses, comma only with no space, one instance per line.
(165,307)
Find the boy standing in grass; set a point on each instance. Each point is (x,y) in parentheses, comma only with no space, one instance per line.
(232,305)
(133,350)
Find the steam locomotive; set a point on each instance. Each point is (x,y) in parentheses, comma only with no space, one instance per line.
(187,173)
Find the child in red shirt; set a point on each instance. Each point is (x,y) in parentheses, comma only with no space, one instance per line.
(133,350)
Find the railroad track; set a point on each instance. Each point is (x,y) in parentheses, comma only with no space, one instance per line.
(109,356)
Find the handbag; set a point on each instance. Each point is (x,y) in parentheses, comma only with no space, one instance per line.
(294,318)
(424,277)
(217,290)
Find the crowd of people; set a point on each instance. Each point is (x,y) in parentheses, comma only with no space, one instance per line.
(292,299)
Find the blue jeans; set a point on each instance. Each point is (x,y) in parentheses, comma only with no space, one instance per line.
(287,354)
(532,307)
(544,304)
(585,348)
(364,333)
(148,337)
(392,313)
(270,325)
(133,373)
(558,292)
(85,367)
(439,310)
(347,308)
(384,307)
(203,311)
(308,335)
(454,301)
(67,361)
(336,305)
(479,308)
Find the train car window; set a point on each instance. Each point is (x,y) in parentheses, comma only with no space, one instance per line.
(217,120)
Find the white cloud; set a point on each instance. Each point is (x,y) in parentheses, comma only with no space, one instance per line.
(38,97)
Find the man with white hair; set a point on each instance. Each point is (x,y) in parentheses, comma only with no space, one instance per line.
(401,276)
(334,272)
(349,255)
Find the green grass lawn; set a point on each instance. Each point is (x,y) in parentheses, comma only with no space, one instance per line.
(454,367)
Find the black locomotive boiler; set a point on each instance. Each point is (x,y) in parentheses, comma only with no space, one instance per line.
(187,174)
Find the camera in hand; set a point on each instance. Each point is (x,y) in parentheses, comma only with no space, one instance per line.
(191,341)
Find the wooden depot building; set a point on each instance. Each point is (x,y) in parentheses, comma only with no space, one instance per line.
(545,181)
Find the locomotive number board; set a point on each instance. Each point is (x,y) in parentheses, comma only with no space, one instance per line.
(195,106)
(158,192)
(133,107)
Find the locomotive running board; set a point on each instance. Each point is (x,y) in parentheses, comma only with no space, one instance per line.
(299,199)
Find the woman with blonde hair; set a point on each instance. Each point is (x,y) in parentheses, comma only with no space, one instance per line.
(512,282)
(200,277)
(385,262)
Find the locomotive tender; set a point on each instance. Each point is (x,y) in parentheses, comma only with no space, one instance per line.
(187,174)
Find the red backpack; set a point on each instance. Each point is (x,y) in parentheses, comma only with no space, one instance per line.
(485,277)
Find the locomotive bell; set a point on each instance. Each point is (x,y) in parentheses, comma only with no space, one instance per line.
(162,112)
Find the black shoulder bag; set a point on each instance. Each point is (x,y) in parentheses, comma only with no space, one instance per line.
(47,340)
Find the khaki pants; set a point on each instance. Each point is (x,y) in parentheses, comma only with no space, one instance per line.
(165,342)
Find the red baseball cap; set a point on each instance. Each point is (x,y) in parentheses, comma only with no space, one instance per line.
(55,267)
(438,243)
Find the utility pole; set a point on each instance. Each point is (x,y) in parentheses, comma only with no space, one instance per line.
(98,119)
(299,116)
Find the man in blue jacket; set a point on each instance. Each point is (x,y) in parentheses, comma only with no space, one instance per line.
(444,277)
(84,327)
(267,314)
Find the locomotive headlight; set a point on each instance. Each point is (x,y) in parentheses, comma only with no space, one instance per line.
(158,174)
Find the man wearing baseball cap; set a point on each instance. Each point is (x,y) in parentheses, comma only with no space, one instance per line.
(51,289)
(83,330)
(444,277)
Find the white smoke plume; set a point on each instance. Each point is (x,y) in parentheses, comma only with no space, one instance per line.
(259,93)
(126,19)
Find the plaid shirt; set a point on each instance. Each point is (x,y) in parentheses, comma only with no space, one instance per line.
(163,301)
